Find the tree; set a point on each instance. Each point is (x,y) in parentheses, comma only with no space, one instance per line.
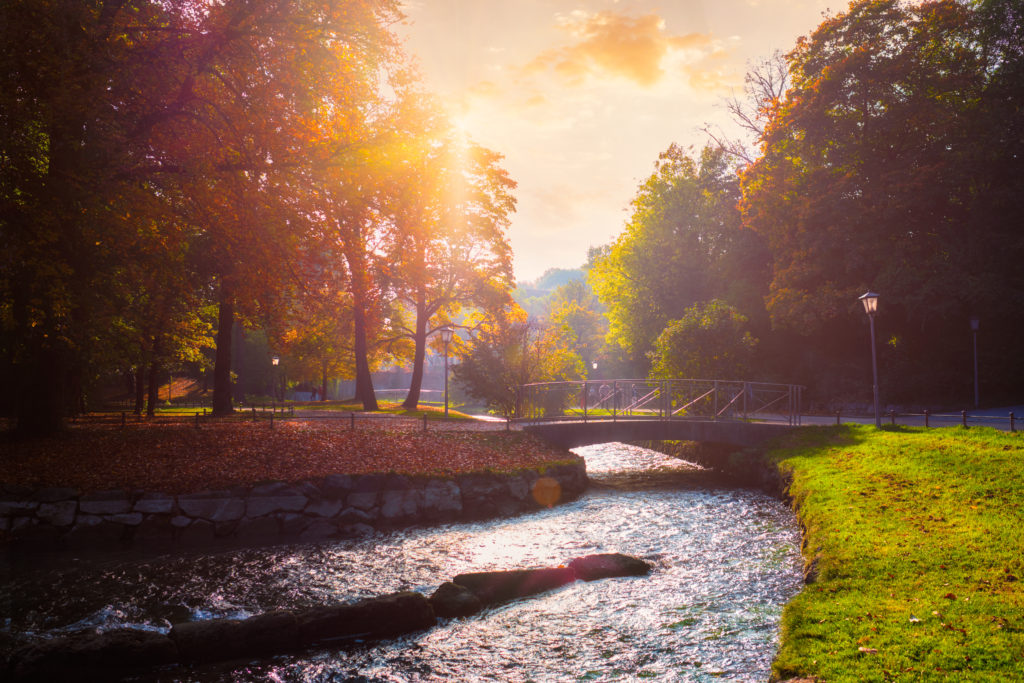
(353,189)
(682,245)
(449,246)
(710,341)
(316,339)
(506,353)
(764,88)
(577,323)
(264,87)
(880,170)
(63,138)
(116,116)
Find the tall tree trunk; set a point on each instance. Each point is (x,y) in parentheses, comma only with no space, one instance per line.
(361,348)
(77,391)
(140,389)
(364,380)
(323,381)
(42,392)
(154,383)
(39,374)
(412,400)
(222,404)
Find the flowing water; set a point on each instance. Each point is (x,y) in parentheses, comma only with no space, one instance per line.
(725,560)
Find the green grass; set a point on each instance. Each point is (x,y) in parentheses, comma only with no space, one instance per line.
(918,538)
(385,407)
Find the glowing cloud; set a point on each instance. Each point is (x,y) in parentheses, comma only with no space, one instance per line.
(610,44)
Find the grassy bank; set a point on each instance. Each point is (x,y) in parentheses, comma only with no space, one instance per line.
(917,536)
(430,411)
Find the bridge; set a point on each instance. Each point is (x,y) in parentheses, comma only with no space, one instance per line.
(740,413)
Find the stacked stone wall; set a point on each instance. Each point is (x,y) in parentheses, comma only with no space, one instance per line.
(332,507)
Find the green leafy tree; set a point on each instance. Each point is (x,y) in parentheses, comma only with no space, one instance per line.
(710,341)
(577,324)
(67,113)
(682,245)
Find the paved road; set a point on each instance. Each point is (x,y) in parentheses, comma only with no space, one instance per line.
(990,417)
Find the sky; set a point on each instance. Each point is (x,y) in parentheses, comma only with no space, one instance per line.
(580,96)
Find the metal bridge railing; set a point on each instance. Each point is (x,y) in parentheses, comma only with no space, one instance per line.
(666,399)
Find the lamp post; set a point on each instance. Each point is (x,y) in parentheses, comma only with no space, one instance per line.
(870,301)
(975,324)
(275,360)
(446,336)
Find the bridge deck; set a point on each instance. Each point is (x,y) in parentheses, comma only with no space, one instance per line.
(570,434)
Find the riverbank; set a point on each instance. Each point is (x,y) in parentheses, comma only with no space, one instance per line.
(913,542)
(107,486)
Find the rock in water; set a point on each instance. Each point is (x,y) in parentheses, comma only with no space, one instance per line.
(91,656)
(608,565)
(452,600)
(495,587)
(386,616)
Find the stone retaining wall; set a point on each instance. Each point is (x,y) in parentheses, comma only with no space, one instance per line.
(335,506)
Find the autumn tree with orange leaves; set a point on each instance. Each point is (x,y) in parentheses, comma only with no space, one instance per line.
(449,256)
(270,84)
(196,120)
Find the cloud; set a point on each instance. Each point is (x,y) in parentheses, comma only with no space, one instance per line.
(712,79)
(484,89)
(609,44)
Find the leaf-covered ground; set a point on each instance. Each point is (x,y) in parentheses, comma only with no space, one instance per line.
(178,458)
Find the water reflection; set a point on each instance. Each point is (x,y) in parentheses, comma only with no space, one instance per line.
(726,560)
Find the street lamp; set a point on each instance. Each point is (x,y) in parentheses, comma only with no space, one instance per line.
(275,360)
(870,301)
(446,336)
(975,324)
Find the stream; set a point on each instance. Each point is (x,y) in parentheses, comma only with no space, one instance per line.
(725,562)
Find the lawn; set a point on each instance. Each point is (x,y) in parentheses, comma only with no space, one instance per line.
(428,410)
(917,537)
(178,458)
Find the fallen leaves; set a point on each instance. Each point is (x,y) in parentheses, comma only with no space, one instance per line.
(178,458)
